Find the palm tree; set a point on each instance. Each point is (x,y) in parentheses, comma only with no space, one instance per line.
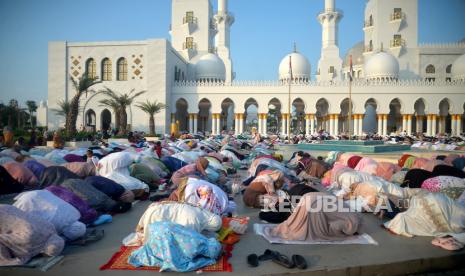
(63,109)
(32,107)
(13,108)
(81,85)
(123,101)
(151,108)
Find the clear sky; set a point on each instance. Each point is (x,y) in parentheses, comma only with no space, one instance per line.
(264,32)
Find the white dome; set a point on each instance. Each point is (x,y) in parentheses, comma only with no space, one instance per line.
(458,68)
(300,67)
(357,55)
(210,67)
(382,65)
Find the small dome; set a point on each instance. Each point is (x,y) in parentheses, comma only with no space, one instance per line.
(458,68)
(382,66)
(357,55)
(210,68)
(300,67)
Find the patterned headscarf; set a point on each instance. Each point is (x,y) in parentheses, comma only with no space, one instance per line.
(208,200)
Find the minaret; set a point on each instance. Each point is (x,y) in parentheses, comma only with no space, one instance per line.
(330,64)
(191,28)
(223,21)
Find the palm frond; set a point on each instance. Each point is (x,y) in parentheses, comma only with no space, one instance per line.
(151,108)
(64,107)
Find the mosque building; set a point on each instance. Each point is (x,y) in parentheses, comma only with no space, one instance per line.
(398,85)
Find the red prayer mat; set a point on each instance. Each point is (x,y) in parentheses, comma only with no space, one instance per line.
(119,261)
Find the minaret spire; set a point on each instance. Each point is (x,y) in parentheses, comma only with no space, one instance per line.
(330,64)
(223,21)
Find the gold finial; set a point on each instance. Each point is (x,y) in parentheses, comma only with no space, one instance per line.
(295,47)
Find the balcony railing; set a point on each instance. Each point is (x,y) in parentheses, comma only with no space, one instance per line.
(397,43)
(189,19)
(397,16)
(368,48)
(189,45)
(368,23)
(213,50)
(213,26)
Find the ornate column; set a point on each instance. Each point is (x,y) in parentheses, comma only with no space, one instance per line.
(379,118)
(312,123)
(241,123)
(336,124)
(260,122)
(429,124)
(265,125)
(385,119)
(360,124)
(331,124)
(459,124)
(195,123)
(283,124)
(191,123)
(434,124)
(409,124)
(218,123)
(236,123)
(355,124)
(453,124)
(214,123)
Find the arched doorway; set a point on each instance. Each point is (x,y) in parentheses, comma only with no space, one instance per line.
(251,114)
(369,120)
(322,107)
(344,117)
(182,115)
(227,115)
(204,116)
(105,119)
(445,119)
(394,122)
(274,116)
(419,118)
(91,120)
(298,117)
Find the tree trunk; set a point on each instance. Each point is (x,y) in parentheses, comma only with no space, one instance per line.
(123,122)
(117,120)
(72,116)
(152,124)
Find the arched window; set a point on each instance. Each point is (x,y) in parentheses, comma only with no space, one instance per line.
(183,78)
(91,68)
(449,69)
(359,74)
(176,76)
(122,70)
(430,69)
(106,69)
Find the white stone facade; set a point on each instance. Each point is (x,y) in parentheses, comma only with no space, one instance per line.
(406,98)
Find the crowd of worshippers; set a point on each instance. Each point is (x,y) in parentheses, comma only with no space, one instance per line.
(52,197)
(419,196)
(60,195)
(438,142)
